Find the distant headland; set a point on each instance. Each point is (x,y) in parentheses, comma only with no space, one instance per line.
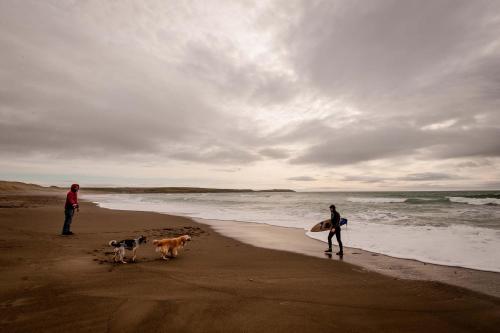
(133,190)
(11,186)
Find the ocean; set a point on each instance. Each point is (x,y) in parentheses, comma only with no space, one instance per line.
(447,228)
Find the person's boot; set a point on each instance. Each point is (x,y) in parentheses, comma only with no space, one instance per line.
(328,251)
(340,254)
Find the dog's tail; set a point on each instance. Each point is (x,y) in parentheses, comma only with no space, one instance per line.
(113,243)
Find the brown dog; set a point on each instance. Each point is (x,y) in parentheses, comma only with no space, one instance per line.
(170,245)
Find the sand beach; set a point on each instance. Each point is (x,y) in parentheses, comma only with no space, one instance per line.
(52,283)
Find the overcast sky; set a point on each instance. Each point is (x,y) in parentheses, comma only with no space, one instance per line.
(326,95)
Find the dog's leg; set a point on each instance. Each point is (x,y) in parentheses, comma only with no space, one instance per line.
(115,256)
(122,255)
(164,253)
(174,253)
(133,254)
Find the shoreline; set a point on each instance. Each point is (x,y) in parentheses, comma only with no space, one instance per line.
(442,242)
(52,283)
(256,234)
(265,236)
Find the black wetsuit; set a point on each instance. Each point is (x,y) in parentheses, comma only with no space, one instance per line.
(335,231)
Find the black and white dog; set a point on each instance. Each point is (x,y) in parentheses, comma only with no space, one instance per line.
(126,244)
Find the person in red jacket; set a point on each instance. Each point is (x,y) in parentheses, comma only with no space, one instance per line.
(69,208)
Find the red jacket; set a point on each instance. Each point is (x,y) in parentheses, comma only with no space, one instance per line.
(71,199)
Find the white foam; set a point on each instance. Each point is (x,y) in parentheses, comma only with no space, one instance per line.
(455,245)
(216,209)
(475,201)
(375,200)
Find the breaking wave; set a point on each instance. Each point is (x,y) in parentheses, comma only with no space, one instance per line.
(376,200)
(476,201)
(491,201)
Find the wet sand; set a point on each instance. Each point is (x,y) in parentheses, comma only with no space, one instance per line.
(52,283)
(295,240)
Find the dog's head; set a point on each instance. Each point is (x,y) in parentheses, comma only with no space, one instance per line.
(185,238)
(142,240)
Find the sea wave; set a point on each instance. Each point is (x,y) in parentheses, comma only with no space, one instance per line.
(476,201)
(491,201)
(454,245)
(376,200)
(438,200)
(483,195)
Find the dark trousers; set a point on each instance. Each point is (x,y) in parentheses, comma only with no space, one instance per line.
(68,218)
(336,232)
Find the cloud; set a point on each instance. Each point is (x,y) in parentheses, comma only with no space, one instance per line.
(364,179)
(274,153)
(302,179)
(346,147)
(297,85)
(362,48)
(427,176)
(468,164)
(75,93)
(216,155)
(228,170)
(423,78)
(352,145)
(95,90)
(474,164)
(235,79)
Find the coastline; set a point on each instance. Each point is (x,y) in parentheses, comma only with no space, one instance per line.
(433,233)
(53,283)
(295,240)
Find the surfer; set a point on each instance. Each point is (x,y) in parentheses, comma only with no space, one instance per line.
(335,230)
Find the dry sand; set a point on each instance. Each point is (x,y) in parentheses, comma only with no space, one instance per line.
(52,283)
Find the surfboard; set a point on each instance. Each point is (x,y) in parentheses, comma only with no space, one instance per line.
(322,226)
(326,225)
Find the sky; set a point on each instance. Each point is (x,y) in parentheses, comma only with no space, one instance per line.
(307,95)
